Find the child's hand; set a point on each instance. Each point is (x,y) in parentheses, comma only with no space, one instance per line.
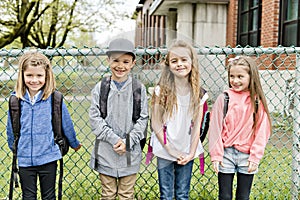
(216,165)
(77,148)
(184,159)
(120,147)
(252,167)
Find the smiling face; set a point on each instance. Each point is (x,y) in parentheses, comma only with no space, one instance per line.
(120,65)
(180,62)
(34,78)
(239,78)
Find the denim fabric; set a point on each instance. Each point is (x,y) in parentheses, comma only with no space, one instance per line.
(174,179)
(235,161)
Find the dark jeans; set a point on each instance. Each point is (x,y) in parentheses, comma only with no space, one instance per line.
(47,176)
(244,183)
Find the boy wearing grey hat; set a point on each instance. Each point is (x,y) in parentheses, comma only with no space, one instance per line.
(117,153)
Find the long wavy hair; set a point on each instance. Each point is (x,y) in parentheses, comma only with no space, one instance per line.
(255,88)
(35,59)
(167,97)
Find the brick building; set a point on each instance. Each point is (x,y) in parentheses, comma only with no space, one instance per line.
(256,23)
(267,23)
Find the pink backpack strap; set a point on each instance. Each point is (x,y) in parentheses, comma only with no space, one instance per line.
(165,133)
(205,107)
(149,154)
(202,163)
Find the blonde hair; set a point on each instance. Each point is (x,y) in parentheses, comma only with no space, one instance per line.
(167,97)
(35,59)
(255,88)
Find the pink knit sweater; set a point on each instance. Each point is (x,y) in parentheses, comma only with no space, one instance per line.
(235,130)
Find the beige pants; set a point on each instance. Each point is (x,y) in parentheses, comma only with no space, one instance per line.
(122,187)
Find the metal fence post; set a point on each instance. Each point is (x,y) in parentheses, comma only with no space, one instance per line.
(296,136)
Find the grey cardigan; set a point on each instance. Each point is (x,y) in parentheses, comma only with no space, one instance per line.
(115,126)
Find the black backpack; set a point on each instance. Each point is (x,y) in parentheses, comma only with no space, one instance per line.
(205,123)
(136,88)
(59,137)
(206,117)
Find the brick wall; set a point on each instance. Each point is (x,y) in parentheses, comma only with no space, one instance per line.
(231,35)
(269,23)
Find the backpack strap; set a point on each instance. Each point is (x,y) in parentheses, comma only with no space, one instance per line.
(137,90)
(203,129)
(255,108)
(136,114)
(14,110)
(105,87)
(256,105)
(205,118)
(149,154)
(57,99)
(226,102)
(103,97)
(137,106)
(205,122)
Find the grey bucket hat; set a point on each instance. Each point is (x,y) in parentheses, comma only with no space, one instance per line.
(121,45)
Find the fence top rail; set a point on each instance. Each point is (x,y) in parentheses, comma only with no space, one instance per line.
(97,51)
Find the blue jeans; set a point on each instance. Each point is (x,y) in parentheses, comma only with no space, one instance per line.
(174,179)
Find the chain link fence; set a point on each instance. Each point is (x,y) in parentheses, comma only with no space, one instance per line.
(78,70)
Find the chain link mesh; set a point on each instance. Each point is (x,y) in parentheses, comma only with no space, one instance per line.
(78,70)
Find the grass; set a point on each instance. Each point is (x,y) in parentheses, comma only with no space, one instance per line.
(80,182)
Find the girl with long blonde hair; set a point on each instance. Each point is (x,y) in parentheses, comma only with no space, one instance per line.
(176,114)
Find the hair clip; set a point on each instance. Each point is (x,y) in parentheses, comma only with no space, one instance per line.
(39,62)
(234,59)
(238,59)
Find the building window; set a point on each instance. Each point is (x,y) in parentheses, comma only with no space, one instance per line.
(249,22)
(289,23)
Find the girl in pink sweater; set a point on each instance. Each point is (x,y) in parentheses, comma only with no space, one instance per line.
(237,141)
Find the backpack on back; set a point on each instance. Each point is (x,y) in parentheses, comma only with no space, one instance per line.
(203,129)
(206,117)
(59,137)
(14,109)
(136,88)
